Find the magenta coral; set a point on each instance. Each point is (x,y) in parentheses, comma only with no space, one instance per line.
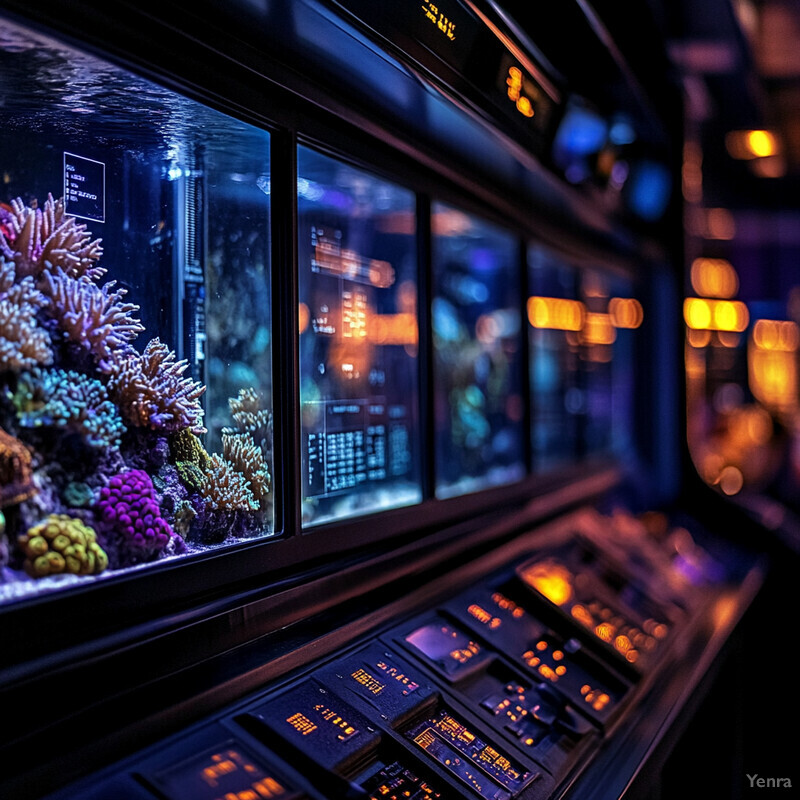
(128,505)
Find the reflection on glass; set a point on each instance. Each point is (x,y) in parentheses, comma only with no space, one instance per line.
(555,318)
(358,341)
(581,338)
(477,364)
(136,342)
(608,357)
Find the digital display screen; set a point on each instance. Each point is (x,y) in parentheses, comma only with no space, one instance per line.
(523,98)
(449,649)
(327,730)
(396,781)
(477,354)
(444,27)
(85,187)
(359,384)
(222,773)
(380,679)
(481,764)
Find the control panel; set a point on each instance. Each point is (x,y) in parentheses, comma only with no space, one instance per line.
(505,686)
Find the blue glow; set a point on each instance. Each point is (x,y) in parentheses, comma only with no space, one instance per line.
(649,189)
(581,133)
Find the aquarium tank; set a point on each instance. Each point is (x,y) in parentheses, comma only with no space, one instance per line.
(359,370)
(135,322)
(479,408)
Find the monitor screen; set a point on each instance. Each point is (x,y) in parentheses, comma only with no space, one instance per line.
(359,382)
(478,399)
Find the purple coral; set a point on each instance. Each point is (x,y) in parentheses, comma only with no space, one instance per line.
(128,505)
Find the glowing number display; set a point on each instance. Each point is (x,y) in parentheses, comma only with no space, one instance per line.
(220,774)
(437,17)
(516,92)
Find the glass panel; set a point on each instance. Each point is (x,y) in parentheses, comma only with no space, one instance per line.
(555,317)
(135,323)
(477,364)
(608,339)
(359,385)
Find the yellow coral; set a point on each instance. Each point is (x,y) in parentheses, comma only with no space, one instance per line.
(62,544)
(246,457)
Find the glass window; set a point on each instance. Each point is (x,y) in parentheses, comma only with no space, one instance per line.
(477,361)
(555,318)
(135,322)
(608,339)
(359,384)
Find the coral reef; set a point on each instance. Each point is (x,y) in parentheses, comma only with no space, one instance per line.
(186,447)
(61,544)
(151,392)
(90,315)
(78,494)
(226,489)
(246,457)
(250,415)
(37,240)
(128,508)
(16,471)
(101,461)
(22,344)
(69,400)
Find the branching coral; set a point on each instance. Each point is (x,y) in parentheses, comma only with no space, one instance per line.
(129,507)
(16,471)
(241,451)
(38,240)
(90,315)
(249,413)
(22,343)
(226,489)
(151,392)
(62,544)
(68,400)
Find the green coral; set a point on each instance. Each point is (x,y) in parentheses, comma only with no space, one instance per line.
(78,494)
(62,544)
(191,475)
(186,447)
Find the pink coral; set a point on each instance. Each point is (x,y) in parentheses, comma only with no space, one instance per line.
(90,315)
(129,507)
(37,240)
(151,392)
